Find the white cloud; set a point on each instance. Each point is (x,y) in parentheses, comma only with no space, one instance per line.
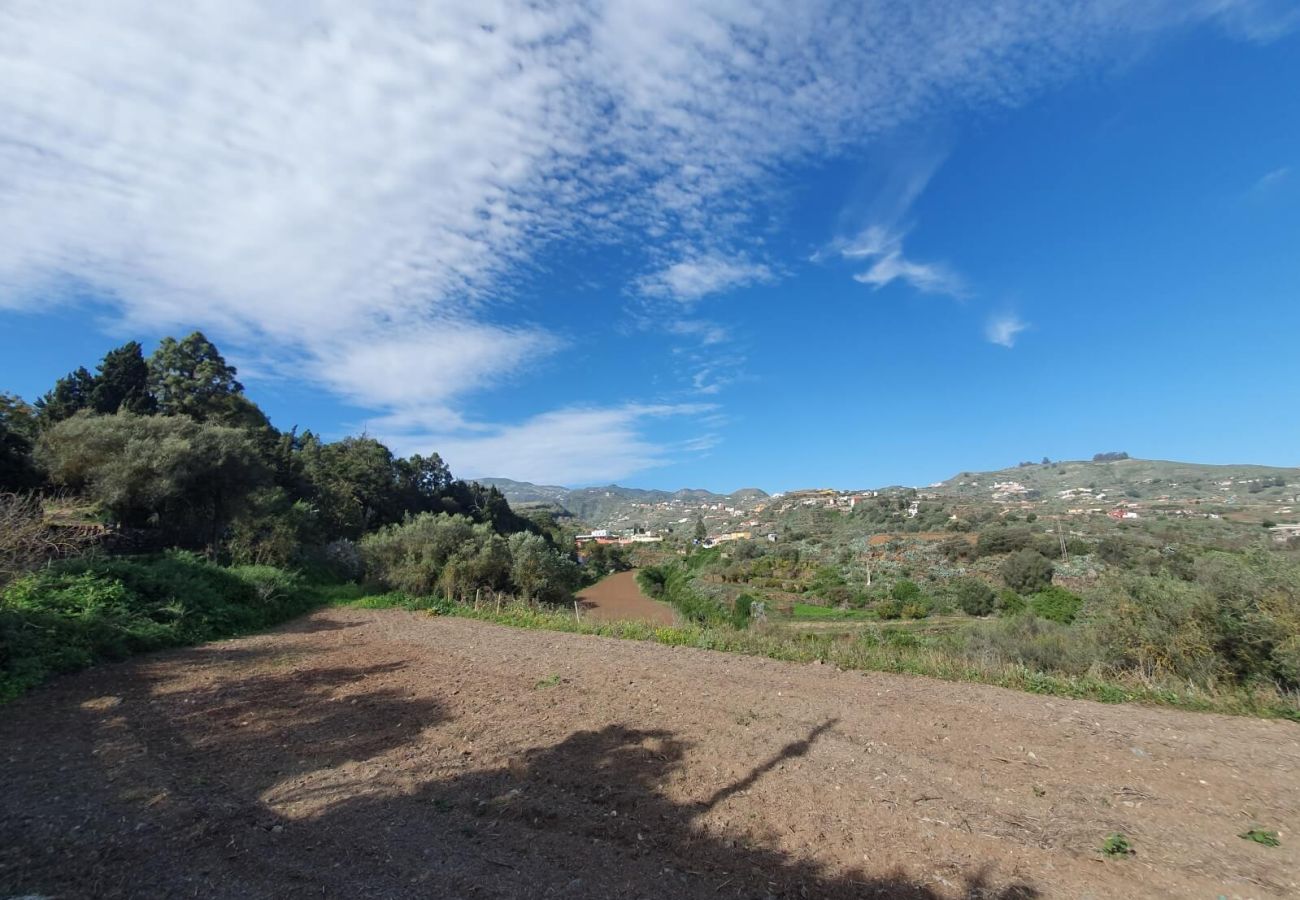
(930,278)
(1003,329)
(692,279)
(885,249)
(315,180)
(430,365)
(568,446)
(708,333)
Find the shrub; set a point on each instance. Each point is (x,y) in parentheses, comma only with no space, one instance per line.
(974,597)
(1157,625)
(915,610)
(1038,644)
(77,613)
(671,583)
(1003,540)
(1056,604)
(1010,603)
(740,614)
(1027,571)
(905,591)
(889,609)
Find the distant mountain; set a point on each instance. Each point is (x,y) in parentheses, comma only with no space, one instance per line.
(601,505)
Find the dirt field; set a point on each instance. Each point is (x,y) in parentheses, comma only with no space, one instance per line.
(618,599)
(388,754)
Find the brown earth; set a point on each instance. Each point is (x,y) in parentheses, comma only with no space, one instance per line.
(365,754)
(617,598)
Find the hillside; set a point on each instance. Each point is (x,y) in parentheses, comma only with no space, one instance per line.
(1148,479)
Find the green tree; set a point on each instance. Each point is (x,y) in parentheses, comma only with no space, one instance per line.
(424,480)
(191,378)
(187,479)
(356,485)
(123,382)
(18,471)
(538,572)
(701,530)
(70,395)
(975,597)
(1027,571)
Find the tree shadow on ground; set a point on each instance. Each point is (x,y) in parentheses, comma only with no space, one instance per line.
(194,793)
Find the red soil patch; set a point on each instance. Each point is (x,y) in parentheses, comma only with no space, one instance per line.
(619,599)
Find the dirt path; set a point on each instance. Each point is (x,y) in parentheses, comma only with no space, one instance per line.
(618,598)
(388,754)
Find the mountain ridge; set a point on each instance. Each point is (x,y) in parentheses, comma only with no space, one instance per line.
(1172,477)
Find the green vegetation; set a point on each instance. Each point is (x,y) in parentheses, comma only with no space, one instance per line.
(672,583)
(1259,836)
(1027,571)
(147,464)
(80,612)
(1116,845)
(875,648)
(1168,614)
(975,597)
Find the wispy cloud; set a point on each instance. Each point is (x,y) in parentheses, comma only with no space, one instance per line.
(883,248)
(707,333)
(930,278)
(1271,180)
(1003,329)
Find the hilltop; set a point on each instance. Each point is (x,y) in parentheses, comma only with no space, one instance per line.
(1118,479)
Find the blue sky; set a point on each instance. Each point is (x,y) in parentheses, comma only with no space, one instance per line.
(681,244)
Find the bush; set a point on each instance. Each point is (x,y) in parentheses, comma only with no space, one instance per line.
(1003,540)
(889,609)
(1056,604)
(975,597)
(1010,603)
(740,614)
(915,610)
(1038,644)
(905,591)
(1027,571)
(77,613)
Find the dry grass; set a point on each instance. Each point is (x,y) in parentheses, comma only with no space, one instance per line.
(28,539)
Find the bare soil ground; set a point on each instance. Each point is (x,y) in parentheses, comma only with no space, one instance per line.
(618,598)
(362,754)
